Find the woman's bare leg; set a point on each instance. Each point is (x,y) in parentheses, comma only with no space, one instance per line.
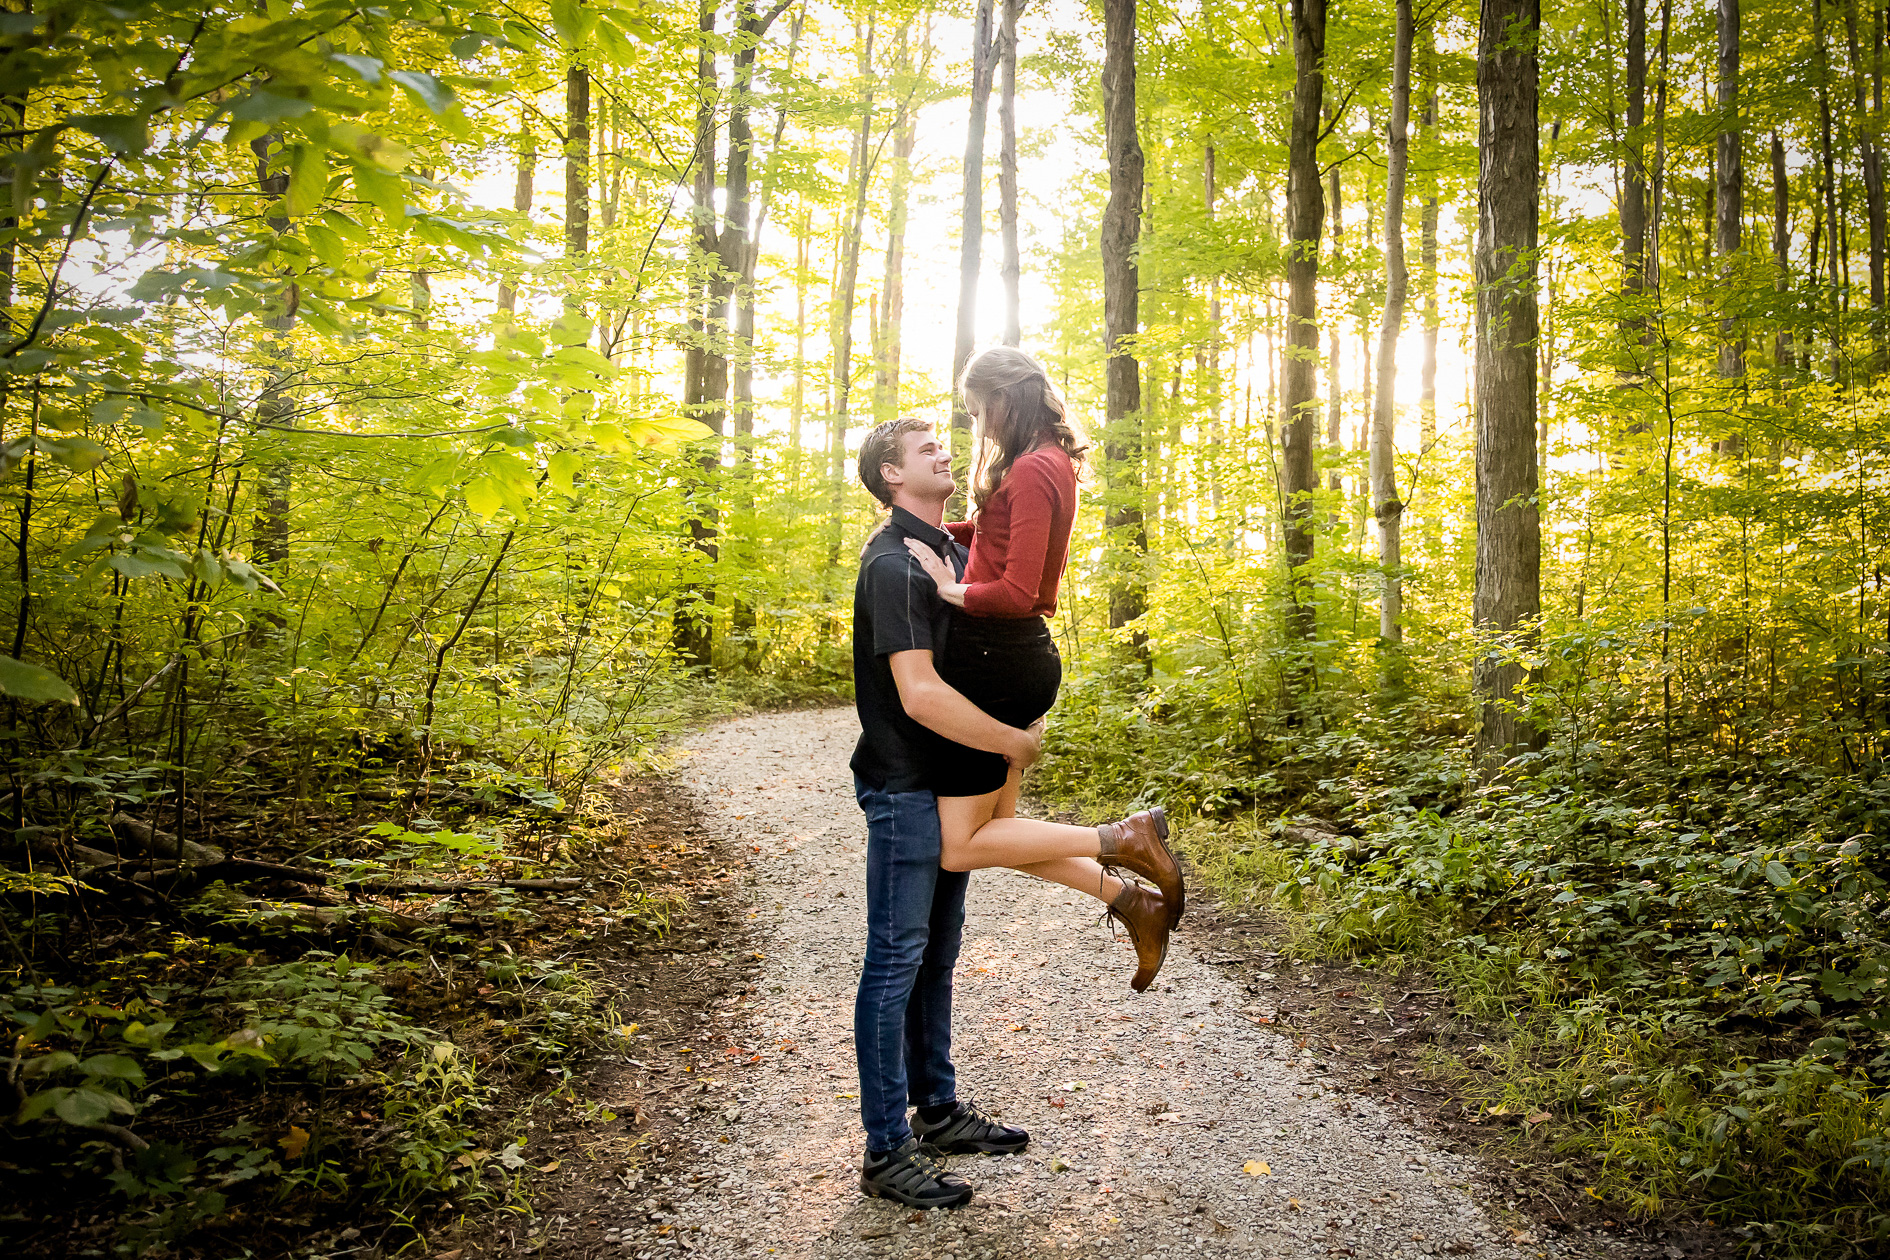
(975,836)
(985,831)
(1082,874)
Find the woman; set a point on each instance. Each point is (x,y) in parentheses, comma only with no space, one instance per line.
(1001,657)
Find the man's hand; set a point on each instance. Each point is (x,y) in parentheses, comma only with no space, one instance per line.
(1029,745)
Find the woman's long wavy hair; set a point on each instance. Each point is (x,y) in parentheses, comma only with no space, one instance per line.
(1020,411)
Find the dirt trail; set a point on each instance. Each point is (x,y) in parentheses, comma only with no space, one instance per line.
(1164,1124)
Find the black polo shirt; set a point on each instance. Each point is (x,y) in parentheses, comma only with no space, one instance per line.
(896,608)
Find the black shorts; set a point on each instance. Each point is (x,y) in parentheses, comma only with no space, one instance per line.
(1008,667)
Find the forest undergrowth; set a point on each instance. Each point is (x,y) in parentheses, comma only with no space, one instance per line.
(1668,942)
(347,1033)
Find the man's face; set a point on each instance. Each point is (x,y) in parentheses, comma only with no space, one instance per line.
(925,469)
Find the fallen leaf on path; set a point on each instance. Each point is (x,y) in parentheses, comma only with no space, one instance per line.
(1257,1168)
(1537,1117)
(454,1254)
(1292,1205)
(551,1167)
(1058,1103)
(294,1142)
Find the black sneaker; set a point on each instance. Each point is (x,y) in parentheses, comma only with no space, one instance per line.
(968,1130)
(910,1176)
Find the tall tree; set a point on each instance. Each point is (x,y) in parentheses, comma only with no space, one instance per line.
(1508,596)
(1011,267)
(1299,399)
(1335,346)
(1124,520)
(888,346)
(1868,115)
(521,195)
(971,232)
(1634,185)
(1729,186)
(1386,507)
(845,292)
(705,365)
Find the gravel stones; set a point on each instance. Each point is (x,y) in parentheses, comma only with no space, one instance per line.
(1146,1111)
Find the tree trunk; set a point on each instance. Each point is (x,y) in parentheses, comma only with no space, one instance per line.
(1335,365)
(1657,215)
(1386,508)
(1829,166)
(1870,162)
(905,133)
(971,239)
(1427,248)
(1123,520)
(1781,252)
(1508,595)
(1299,400)
(844,303)
(1729,192)
(705,371)
(797,398)
(1011,268)
(1214,391)
(521,197)
(577,160)
(1634,193)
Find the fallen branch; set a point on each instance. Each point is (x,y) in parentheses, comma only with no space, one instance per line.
(439,888)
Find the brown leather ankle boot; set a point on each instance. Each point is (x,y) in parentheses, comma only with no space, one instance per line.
(1145,914)
(1138,843)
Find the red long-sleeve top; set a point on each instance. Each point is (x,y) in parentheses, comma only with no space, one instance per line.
(1021,540)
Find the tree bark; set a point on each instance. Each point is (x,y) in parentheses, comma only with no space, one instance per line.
(1299,400)
(905,134)
(1634,190)
(1212,386)
(1123,520)
(705,371)
(1508,596)
(521,197)
(1729,190)
(1833,224)
(843,304)
(1381,455)
(1335,364)
(1870,162)
(1427,248)
(1011,268)
(1781,252)
(577,160)
(971,238)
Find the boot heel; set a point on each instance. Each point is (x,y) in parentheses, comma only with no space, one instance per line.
(1161,821)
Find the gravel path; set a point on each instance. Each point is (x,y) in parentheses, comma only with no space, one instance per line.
(1165,1124)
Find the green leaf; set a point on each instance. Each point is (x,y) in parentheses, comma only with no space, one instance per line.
(563,467)
(425,89)
(572,21)
(1776,872)
(327,244)
(89,1106)
(369,68)
(572,329)
(387,192)
(113,1067)
(80,454)
(666,430)
(121,133)
(483,497)
(308,180)
(265,107)
(33,684)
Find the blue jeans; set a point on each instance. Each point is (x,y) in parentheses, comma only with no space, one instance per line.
(915,916)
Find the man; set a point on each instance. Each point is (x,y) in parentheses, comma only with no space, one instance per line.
(915,912)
